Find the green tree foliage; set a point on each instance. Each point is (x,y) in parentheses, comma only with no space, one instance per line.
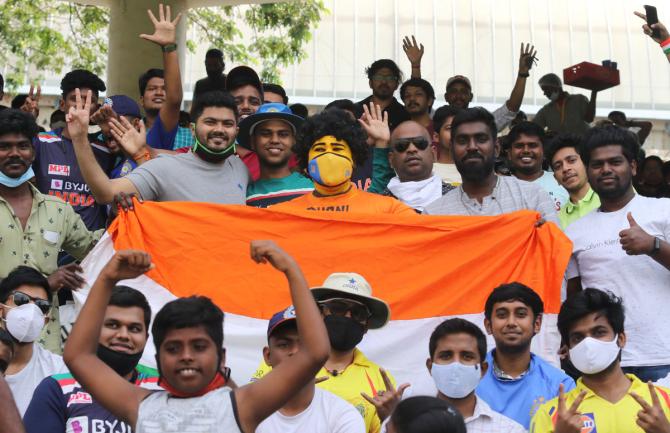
(45,35)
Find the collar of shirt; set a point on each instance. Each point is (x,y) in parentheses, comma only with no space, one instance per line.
(360,359)
(493,195)
(481,410)
(636,386)
(38,197)
(502,376)
(570,207)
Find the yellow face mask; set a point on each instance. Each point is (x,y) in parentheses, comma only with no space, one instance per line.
(330,165)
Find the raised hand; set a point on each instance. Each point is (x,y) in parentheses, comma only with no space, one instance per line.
(165,30)
(568,420)
(663,31)
(413,51)
(526,58)
(134,142)
(376,124)
(386,401)
(268,251)
(32,102)
(652,419)
(634,240)
(102,118)
(79,116)
(66,276)
(127,264)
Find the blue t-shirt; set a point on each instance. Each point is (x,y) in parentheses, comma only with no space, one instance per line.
(57,173)
(61,405)
(159,138)
(520,398)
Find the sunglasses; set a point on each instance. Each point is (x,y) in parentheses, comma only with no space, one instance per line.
(21,298)
(402,144)
(340,307)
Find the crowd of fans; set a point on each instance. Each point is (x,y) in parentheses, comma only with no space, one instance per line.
(242,144)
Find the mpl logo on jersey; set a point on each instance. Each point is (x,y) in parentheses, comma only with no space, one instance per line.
(588,423)
(80,398)
(59,170)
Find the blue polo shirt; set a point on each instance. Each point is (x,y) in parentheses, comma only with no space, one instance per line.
(520,398)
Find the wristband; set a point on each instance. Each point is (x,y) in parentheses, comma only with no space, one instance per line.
(145,155)
(526,75)
(665,46)
(169,47)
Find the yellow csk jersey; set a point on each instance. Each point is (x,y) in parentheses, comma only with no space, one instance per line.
(600,415)
(362,375)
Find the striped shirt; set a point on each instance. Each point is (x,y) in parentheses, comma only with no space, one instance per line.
(486,420)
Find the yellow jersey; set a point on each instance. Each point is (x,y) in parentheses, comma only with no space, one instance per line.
(362,375)
(600,415)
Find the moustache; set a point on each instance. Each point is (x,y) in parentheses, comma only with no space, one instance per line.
(13,161)
(213,135)
(472,156)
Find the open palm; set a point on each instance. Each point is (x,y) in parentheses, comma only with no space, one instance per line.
(165,29)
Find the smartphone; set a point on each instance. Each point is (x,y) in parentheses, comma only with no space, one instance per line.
(652,18)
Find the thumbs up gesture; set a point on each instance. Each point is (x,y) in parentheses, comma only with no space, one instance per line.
(634,240)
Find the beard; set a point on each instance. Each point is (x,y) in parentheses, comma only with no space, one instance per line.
(475,172)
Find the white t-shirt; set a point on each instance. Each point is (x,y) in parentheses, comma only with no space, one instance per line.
(557,193)
(644,284)
(42,364)
(448,172)
(327,413)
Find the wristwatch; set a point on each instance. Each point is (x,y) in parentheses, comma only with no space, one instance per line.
(526,75)
(657,246)
(169,47)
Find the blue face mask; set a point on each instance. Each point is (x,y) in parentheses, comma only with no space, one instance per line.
(13,182)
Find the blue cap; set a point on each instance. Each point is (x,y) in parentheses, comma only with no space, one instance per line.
(123,105)
(269,111)
(281,317)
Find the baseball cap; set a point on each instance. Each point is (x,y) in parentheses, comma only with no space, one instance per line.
(459,78)
(280,317)
(241,76)
(123,105)
(269,111)
(353,286)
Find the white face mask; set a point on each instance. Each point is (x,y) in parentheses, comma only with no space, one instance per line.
(554,96)
(591,356)
(25,322)
(456,380)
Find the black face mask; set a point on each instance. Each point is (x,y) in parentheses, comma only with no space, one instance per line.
(122,363)
(344,332)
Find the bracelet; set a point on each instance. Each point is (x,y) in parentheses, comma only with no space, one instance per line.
(665,46)
(145,155)
(169,47)
(526,75)
(416,66)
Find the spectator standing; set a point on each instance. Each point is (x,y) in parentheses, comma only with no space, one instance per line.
(623,247)
(565,112)
(215,79)
(641,128)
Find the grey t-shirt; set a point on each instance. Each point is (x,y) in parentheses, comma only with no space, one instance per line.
(187,177)
(509,195)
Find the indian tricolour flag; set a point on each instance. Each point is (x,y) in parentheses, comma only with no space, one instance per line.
(427,268)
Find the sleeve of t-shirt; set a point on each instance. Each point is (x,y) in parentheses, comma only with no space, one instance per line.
(568,384)
(159,138)
(503,116)
(540,118)
(46,411)
(546,206)
(381,170)
(348,420)
(573,268)
(542,422)
(146,178)
(583,105)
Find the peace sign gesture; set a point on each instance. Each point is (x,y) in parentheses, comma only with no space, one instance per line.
(79,116)
(652,419)
(32,102)
(568,420)
(386,401)
(165,30)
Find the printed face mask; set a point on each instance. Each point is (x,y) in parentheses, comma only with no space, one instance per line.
(591,356)
(456,380)
(25,322)
(330,162)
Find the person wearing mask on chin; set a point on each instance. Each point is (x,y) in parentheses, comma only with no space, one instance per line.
(605,399)
(328,148)
(24,303)
(564,112)
(457,363)
(349,310)
(60,404)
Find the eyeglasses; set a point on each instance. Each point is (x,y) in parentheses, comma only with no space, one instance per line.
(387,78)
(21,298)
(340,307)
(402,144)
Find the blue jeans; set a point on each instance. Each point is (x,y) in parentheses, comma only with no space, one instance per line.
(653,373)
